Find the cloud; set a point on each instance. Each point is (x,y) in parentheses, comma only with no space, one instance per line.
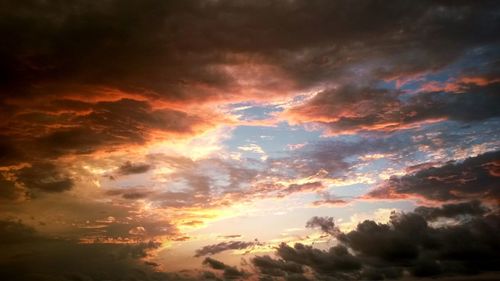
(9,190)
(305,187)
(273,267)
(45,177)
(30,181)
(468,179)
(129,169)
(350,109)
(114,124)
(85,85)
(326,224)
(230,236)
(84,77)
(337,262)
(224,246)
(471,208)
(14,232)
(29,255)
(407,243)
(229,272)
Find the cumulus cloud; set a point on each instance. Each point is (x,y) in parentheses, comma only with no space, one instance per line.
(326,224)
(407,243)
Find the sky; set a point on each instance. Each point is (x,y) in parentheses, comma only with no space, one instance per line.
(249,140)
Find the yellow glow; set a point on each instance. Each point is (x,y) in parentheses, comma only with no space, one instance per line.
(199,147)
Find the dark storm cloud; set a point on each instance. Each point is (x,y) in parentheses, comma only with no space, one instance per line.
(408,243)
(92,70)
(224,246)
(174,51)
(472,178)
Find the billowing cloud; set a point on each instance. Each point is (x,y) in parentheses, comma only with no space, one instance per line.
(326,224)
(408,243)
(472,178)
(337,262)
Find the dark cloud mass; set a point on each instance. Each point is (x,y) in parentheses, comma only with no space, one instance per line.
(45,177)
(229,272)
(28,255)
(40,177)
(109,60)
(474,177)
(471,208)
(351,109)
(326,224)
(408,244)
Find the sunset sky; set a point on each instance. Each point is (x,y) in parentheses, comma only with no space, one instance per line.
(249,140)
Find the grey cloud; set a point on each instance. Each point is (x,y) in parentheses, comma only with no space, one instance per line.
(474,176)
(352,109)
(46,177)
(224,246)
(408,243)
(133,168)
(229,272)
(471,208)
(326,224)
